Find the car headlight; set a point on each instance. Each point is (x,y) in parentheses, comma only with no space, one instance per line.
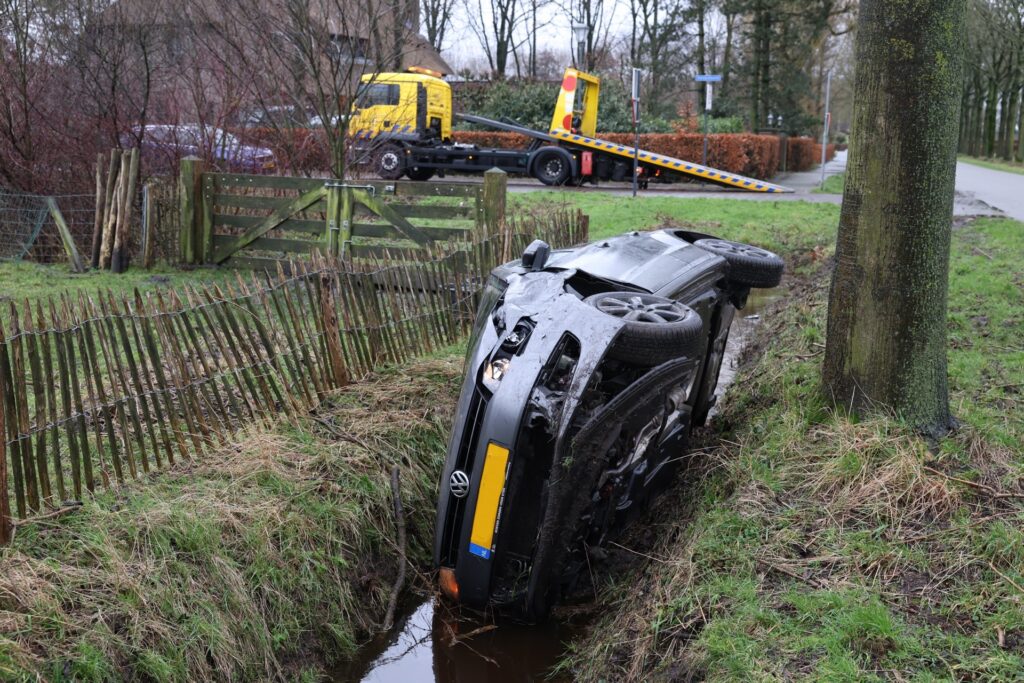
(494,372)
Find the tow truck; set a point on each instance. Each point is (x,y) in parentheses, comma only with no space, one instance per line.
(401,124)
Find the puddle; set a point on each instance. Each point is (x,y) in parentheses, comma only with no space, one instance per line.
(434,643)
(743,326)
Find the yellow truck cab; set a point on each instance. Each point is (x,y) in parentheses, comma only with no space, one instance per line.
(415,105)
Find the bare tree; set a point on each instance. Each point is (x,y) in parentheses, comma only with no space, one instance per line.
(495,24)
(437,19)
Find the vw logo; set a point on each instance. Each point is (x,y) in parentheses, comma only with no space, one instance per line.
(458,484)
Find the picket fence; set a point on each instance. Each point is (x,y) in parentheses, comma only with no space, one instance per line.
(99,390)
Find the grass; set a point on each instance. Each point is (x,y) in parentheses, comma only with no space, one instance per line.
(785,227)
(833,184)
(28,280)
(994,164)
(266,560)
(806,545)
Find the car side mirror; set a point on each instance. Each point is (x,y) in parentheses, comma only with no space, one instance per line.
(535,256)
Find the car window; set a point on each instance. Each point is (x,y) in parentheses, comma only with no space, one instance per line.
(371,94)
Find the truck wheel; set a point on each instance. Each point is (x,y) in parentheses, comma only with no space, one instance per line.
(748,265)
(420,173)
(551,167)
(387,162)
(656,330)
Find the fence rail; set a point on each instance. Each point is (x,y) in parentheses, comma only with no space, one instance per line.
(99,390)
(252,220)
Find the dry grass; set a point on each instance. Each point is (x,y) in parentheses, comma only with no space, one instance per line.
(269,557)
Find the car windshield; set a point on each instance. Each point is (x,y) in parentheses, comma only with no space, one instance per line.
(489,298)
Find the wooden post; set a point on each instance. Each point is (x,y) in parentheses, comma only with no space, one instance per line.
(97,229)
(189,178)
(148,226)
(65,235)
(204,225)
(495,187)
(108,195)
(5,503)
(333,220)
(122,235)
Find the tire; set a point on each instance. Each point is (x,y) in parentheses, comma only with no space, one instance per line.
(420,173)
(657,329)
(748,265)
(387,162)
(552,167)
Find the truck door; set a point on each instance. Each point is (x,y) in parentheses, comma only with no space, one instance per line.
(375,108)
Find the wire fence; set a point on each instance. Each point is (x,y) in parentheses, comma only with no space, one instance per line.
(98,390)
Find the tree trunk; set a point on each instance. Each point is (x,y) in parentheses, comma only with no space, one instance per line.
(886,341)
(1020,129)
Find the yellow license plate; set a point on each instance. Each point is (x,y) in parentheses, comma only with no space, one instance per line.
(488,501)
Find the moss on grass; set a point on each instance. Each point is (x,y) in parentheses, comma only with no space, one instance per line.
(268,559)
(809,546)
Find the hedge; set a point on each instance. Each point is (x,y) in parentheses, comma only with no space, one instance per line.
(755,156)
(805,153)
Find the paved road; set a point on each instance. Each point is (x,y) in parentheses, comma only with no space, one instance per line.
(998,189)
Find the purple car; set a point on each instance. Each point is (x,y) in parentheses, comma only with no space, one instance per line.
(163,144)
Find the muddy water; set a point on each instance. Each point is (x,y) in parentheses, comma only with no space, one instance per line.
(434,643)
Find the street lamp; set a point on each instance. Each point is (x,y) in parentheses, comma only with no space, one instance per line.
(579,34)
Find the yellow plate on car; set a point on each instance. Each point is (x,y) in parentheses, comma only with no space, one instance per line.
(488,500)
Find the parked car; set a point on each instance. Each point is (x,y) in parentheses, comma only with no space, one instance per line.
(275,116)
(162,145)
(586,371)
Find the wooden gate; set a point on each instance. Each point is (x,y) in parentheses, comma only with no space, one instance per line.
(254,221)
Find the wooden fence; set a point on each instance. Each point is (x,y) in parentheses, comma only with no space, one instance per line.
(99,390)
(253,220)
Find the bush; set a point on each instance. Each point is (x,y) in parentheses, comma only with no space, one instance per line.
(805,153)
(756,156)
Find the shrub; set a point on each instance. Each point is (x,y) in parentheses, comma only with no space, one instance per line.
(756,156)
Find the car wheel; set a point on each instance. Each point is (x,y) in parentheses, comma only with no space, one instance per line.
(387,162)
(420,173)
(748,265)
(551,167)
(656,329)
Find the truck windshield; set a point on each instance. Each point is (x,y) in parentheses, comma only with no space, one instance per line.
(372,94)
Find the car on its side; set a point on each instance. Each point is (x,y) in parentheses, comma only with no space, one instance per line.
(586,371)
(162,145)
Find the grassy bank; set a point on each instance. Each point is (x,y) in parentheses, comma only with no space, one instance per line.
(994,164)
(28,280)
(805,545)
(269,559)
(833,184)
(783,226)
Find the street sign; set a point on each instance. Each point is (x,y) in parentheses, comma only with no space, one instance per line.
(708,78)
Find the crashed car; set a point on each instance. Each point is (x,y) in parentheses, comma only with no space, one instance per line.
(586,371)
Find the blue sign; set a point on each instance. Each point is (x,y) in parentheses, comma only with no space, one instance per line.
(708,78)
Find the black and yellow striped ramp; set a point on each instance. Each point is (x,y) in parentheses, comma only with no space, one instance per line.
(712,175)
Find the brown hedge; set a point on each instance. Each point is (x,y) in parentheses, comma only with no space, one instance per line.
(805,153)
(755,156)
